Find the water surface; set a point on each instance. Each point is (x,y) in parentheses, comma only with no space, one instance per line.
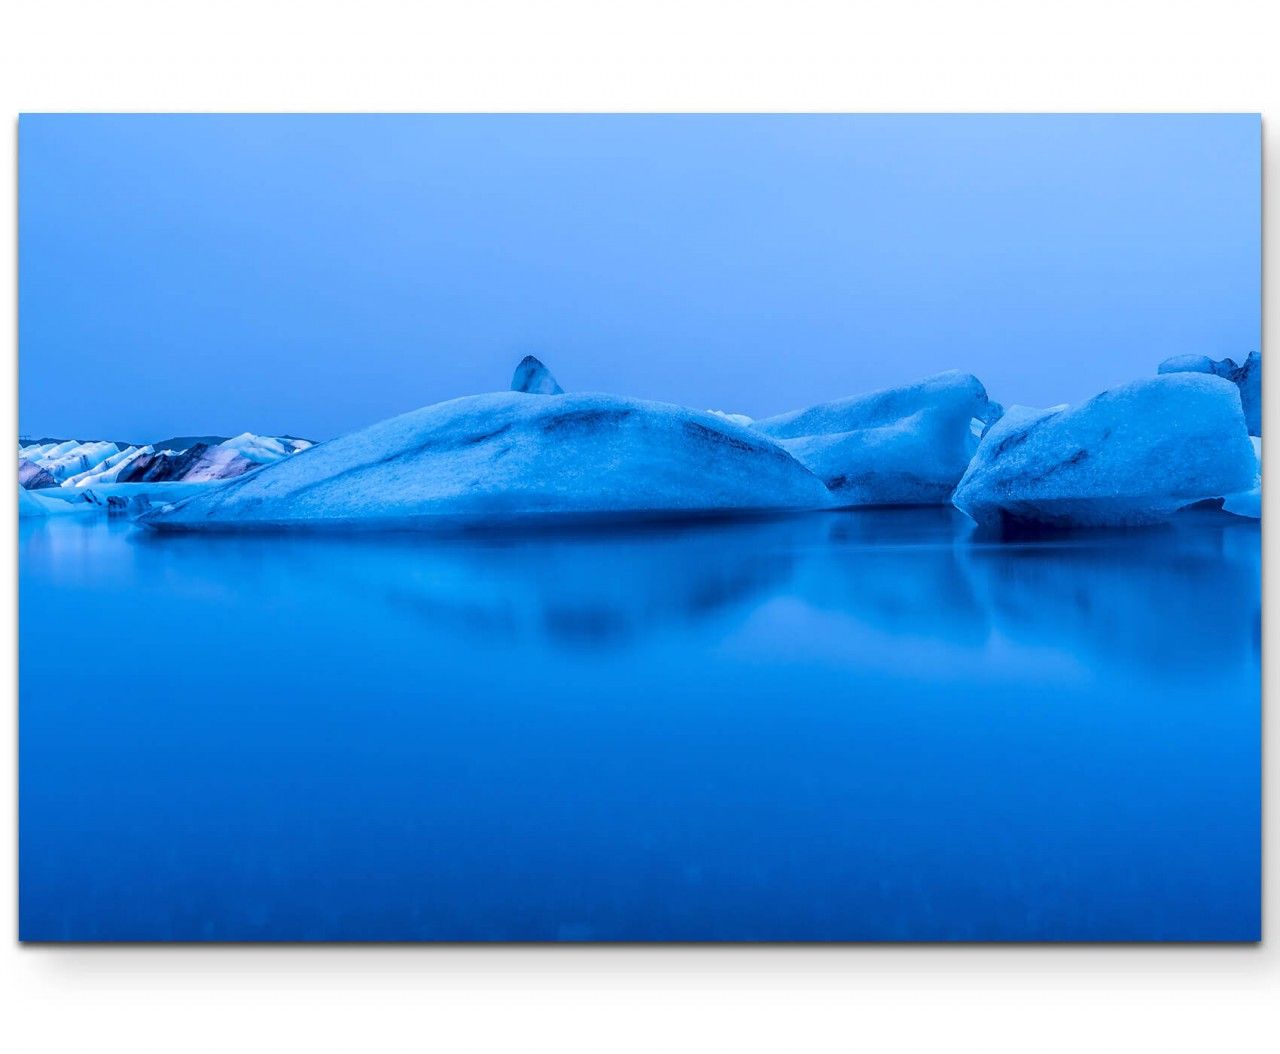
(854,726)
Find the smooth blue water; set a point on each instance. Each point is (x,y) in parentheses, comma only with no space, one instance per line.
(861,726)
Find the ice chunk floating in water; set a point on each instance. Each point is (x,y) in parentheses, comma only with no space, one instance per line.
(1247,377)
(32,505)
(534,378)
(1248,503)
(1130,456)
(900,446)
(29,506)
(507,458)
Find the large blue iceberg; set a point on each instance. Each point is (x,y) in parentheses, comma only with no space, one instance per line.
(1133,455)
(900,446)
(1247,377)
(510,458)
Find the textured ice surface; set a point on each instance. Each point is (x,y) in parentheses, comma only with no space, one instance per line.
(109,469)
(1248,502)
(163,465)
(37,504)
(982,424)
(201,462)
(262,450)
(219,462)
(533,378)
(72,463)
(70,457)
(739,419)
(900,446)
(127,499)
(29,505)
(34,476)
(1247,377)
(510,457)
(1132,455)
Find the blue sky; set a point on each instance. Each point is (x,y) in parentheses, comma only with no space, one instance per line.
(217,273)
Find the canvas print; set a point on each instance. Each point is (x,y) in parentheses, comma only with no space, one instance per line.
(639,527)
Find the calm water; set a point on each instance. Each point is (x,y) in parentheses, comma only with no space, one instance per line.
(848,726)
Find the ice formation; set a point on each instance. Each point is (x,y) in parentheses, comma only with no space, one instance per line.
(202,461)
(1132,455)
(34,504)
(900,446)
(29,505)
(513,458)
(72,463)
(109,469)
(1248,503)
(66,458)
(1247,377)
(738,419)
(34,476)
(533,378)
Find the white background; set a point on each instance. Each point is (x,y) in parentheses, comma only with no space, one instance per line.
(652,55)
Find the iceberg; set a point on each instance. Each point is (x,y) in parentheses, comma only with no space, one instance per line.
(66,458)
(236,456)
(162,465)
(982,424)
(124,478)
(533,378)
(511,458)
(34,476)
(900,446)
(35,505)
(29,505)
(133,499)
(1131,456)
(203,462)
(1247,377)
(262,450)
(1248,503)
(109,469)
(212,463)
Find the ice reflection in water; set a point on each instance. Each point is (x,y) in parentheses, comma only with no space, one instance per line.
(849,726)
